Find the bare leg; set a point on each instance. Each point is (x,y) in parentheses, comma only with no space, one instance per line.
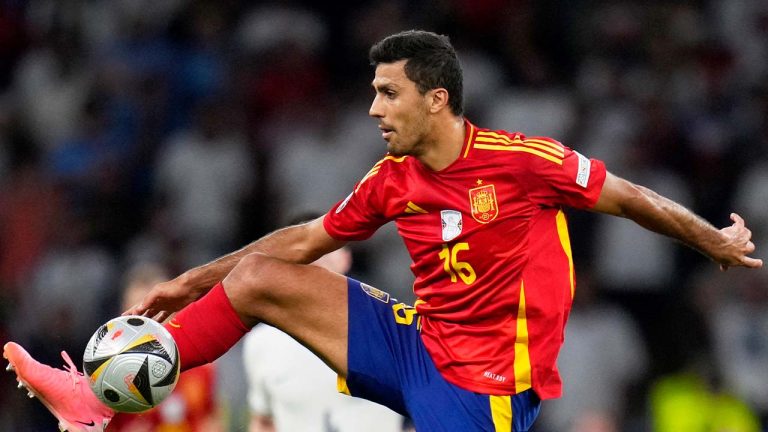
(307,302)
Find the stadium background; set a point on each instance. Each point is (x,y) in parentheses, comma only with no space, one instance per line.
(173,131)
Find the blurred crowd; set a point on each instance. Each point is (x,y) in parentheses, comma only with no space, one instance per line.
(172,131)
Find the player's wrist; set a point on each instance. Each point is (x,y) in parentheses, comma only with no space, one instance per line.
(718,246)
(194,282)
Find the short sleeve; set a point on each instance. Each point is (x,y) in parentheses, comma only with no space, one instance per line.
(574,181)
(360,214)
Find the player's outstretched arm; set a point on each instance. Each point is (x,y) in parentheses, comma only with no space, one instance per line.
(729,246)
(303,243)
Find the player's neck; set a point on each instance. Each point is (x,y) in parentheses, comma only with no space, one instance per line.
(445,143)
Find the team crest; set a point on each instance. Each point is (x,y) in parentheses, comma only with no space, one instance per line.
(482,201)
(451,223)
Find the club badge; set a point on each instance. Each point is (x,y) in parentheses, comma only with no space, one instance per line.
(482,201)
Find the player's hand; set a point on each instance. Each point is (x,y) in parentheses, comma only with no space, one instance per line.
(165,299)
(738,246)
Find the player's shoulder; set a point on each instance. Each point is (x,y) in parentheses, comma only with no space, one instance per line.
(385,168)
(516,145)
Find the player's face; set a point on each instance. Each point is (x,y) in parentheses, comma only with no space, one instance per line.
(400,109)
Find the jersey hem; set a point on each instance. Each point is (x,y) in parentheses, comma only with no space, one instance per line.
(541,392)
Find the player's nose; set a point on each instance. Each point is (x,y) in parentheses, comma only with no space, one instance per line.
(376,108)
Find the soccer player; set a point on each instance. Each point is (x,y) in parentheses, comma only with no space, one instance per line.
(480,212)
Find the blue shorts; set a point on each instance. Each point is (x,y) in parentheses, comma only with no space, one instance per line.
(388,364)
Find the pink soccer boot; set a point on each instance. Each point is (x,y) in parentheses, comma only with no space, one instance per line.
(64,392)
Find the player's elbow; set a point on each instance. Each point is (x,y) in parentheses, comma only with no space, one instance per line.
(621,198)
(638,200)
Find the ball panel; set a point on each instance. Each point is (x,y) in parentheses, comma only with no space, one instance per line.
(94,368)
(148,344)
(172,377)
(135,321)
(121,400)
(111,395)
(141,382)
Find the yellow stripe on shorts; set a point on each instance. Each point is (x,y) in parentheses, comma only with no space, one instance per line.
(341,385)
(501,411)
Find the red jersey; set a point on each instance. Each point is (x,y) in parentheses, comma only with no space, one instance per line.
(490,250)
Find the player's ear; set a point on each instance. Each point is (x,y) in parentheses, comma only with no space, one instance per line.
(437,99)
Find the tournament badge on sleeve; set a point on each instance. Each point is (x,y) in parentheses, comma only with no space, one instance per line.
(482,201)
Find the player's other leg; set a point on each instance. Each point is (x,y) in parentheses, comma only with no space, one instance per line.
(65,393)
(305,301)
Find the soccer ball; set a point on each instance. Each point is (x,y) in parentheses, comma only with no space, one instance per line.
(132,363)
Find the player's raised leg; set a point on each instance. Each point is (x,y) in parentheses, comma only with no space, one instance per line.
(305,301)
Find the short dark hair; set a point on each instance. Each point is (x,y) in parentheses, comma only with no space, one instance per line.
(431,62)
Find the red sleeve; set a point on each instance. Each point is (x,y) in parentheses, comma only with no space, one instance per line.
(361,213)
(576,182)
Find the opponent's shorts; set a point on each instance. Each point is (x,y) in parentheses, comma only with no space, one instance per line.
(388,364)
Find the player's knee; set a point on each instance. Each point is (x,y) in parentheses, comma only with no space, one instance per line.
(252,281)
